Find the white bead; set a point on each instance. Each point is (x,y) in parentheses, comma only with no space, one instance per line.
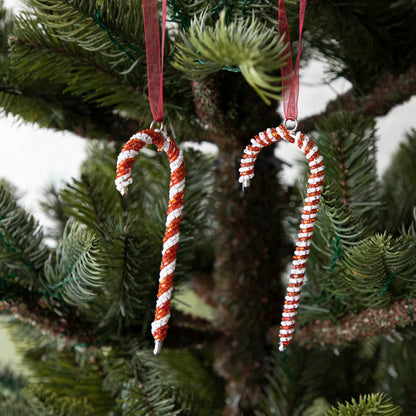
(286,339)
(307,225)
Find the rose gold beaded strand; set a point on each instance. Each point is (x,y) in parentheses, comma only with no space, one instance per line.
(310,209)
(173,220)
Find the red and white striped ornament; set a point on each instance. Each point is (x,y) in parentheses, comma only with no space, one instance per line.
(170,241)
(310,209)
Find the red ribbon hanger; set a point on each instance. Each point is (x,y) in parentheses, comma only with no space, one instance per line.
(290,77)
(154,55)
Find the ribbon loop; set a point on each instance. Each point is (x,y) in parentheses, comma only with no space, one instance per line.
(290,77)
(154,55)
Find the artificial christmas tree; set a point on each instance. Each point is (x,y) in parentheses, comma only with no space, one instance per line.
(83,307)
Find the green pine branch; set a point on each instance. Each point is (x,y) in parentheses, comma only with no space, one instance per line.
(54,366)
(398,186)
(39,101)
(295,380)
(23,252)
(381,269)
(305,384)
(248,45)
(92,198)
(71,22)
(36,101)
(76,274)
(394,373)
(372,404)
(182,11)
(44,402)
(10,381)
(375,46)
(348,147)
(45,57)
(174,383)
(349,214)
(97,41)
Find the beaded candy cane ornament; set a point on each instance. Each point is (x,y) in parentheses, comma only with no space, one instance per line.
(315,183)
(174,214)
(154,60)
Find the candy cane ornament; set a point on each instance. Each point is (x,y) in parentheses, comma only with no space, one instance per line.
(174,214)
(315,184)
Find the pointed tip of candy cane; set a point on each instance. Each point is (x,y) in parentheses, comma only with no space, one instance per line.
(245,183)
(282,347)
(122,186)
(158,347)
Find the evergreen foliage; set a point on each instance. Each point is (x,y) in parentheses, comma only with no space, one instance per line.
(367,405)
(22,249)
(10,382)
(245,44)
(375,45)
(82,305)
(78,268)
(398,188)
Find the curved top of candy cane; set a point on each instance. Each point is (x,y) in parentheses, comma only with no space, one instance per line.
(259,141)
(136,142)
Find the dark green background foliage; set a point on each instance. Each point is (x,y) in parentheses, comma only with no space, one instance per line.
(80,296)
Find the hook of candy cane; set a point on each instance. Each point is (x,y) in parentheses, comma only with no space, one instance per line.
(310,209)
(170,241)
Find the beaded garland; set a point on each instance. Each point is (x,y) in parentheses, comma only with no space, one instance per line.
(310,209)
(174,213)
